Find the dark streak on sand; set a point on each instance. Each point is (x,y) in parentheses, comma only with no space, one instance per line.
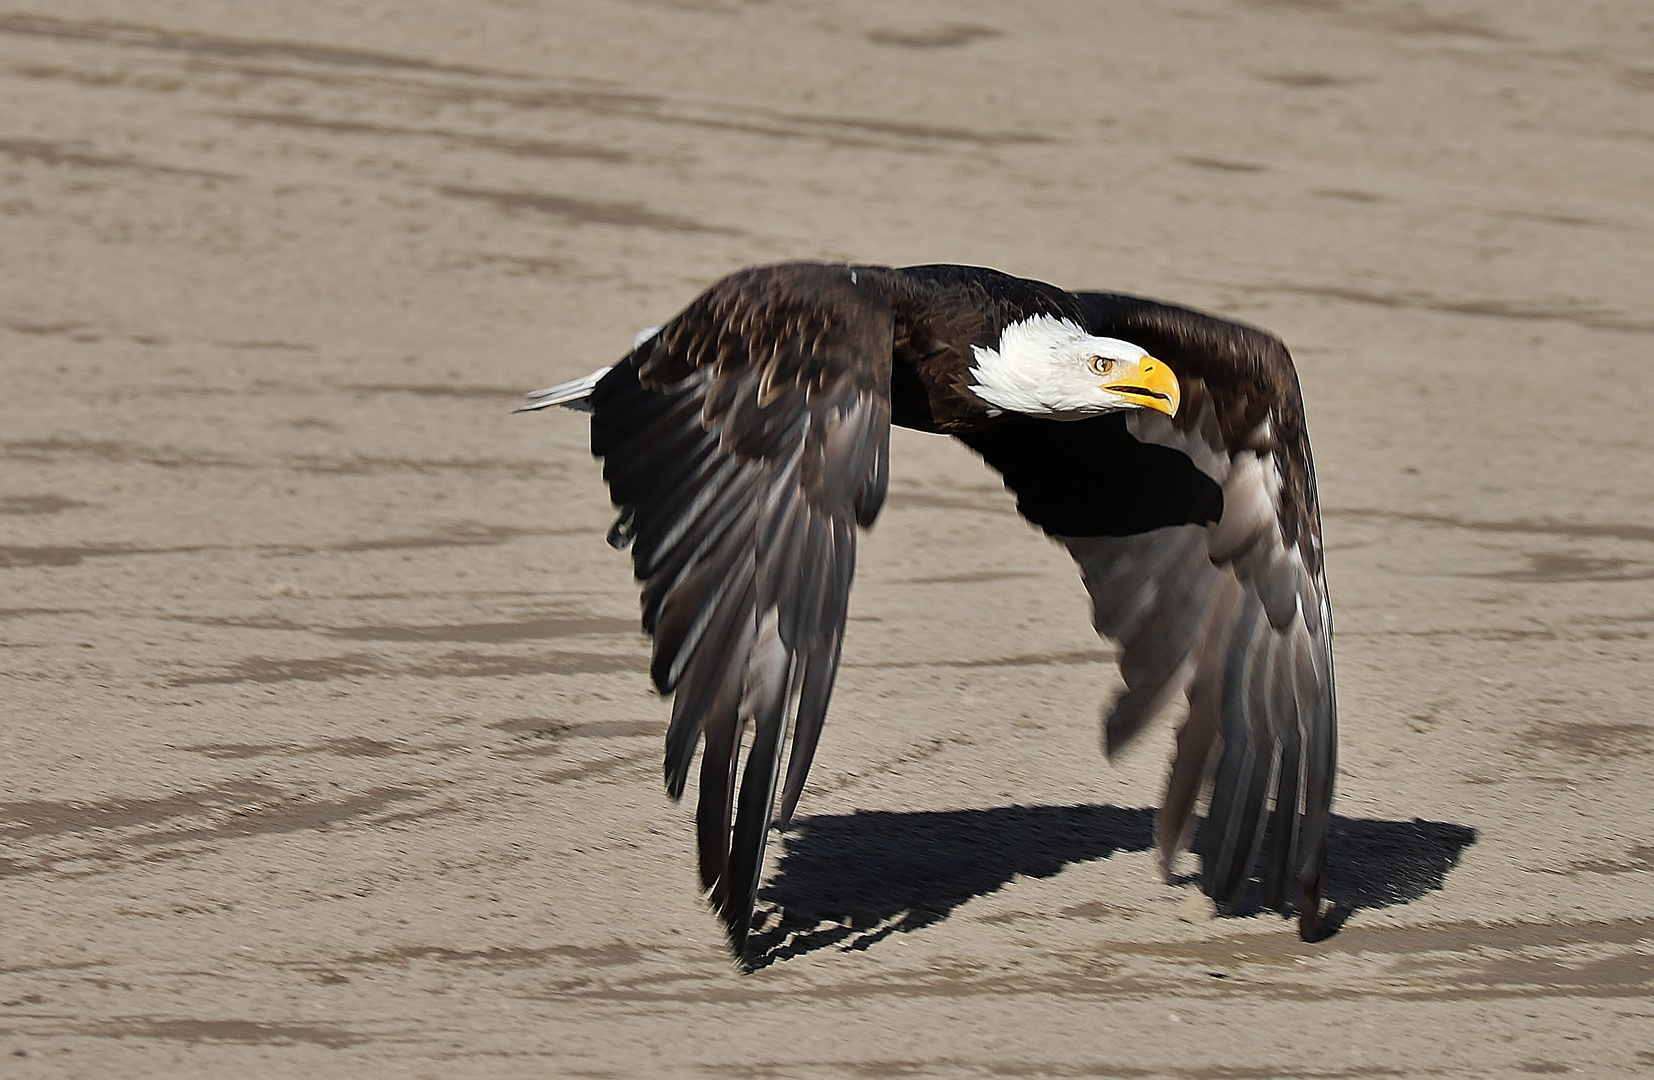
(245,1032)
(1583,740)
(549,149)
(545,628)
(1581,530)
(583,211)
(233,810)
(113,451)
(72,555)
(1553,566)
(132,35)
(38,504)
(457,664)
(439,390)
(1524,310)
(50,153)
(947,36)
(354,746)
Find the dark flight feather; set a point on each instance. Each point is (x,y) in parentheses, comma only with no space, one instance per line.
(743,443)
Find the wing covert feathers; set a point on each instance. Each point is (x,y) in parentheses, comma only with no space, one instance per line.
(743,444)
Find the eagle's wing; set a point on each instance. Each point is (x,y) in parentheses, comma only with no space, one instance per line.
(743,443)
(1198,539)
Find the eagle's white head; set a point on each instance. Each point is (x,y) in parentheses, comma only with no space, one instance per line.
(1050,367)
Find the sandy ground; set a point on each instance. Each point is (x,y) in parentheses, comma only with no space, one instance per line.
(327,745)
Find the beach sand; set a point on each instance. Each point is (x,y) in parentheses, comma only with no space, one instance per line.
(328,743)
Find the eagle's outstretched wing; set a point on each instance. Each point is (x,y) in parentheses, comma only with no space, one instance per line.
(743,443)
(1198,539)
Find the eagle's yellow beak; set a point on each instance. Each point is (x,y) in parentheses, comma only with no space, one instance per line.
(1148,383)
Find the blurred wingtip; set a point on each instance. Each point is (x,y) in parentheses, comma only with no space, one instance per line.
(1309,913)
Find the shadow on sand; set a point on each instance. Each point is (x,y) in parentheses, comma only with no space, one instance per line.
(877,873)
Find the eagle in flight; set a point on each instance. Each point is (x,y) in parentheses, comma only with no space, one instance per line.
(746,440)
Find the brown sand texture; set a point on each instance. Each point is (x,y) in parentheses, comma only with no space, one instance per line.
(328,745)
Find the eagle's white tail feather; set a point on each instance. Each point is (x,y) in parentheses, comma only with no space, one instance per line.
(576,395)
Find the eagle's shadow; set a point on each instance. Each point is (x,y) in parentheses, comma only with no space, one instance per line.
(852,880)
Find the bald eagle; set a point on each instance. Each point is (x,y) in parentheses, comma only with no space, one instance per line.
(746,439)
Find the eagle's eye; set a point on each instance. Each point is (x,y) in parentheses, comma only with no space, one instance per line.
(1102,365)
